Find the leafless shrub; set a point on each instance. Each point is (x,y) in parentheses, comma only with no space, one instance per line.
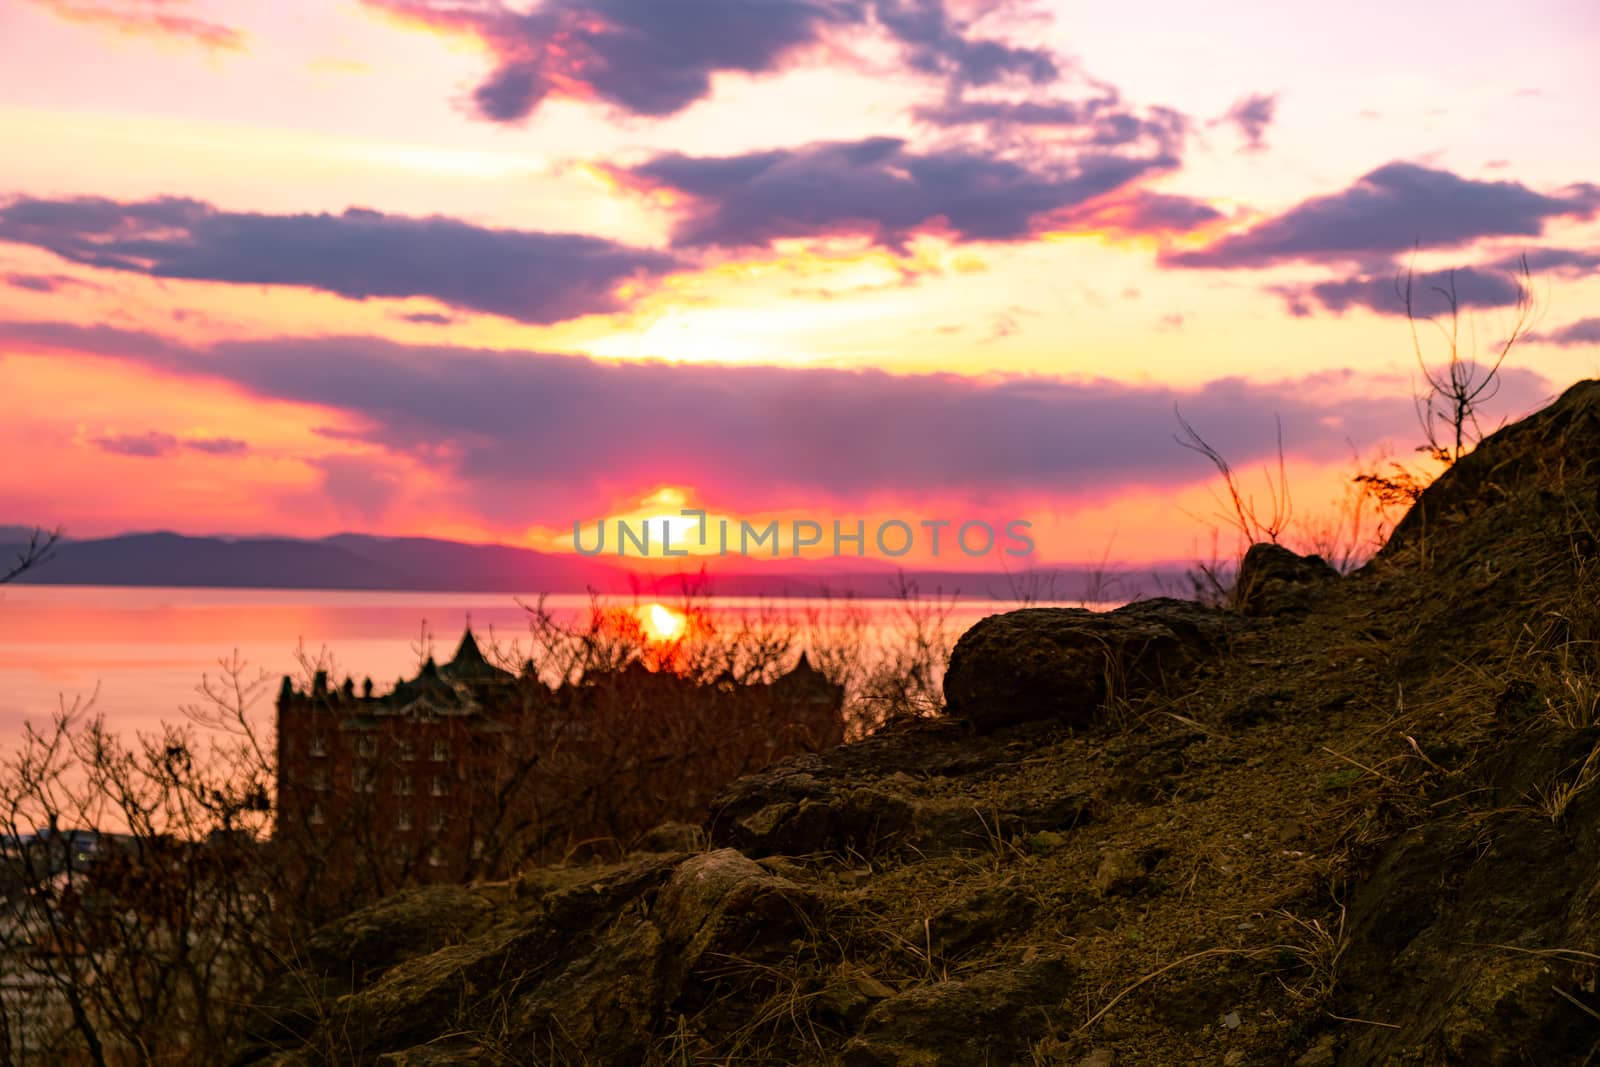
(1240,510)
(1459,385)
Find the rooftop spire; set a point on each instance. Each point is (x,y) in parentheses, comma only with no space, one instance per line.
(468,651)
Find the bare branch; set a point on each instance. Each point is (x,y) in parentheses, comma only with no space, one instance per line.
(40,549)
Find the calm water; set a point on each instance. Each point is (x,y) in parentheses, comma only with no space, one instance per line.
(140,653)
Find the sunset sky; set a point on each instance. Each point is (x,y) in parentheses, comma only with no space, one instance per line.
(477,270)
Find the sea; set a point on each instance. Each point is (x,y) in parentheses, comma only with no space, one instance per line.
(141,656)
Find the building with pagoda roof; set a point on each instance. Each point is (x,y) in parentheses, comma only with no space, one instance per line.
(468,769)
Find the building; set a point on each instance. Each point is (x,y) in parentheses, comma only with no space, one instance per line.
(468,770)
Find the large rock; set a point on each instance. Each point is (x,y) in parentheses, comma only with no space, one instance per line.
(1064,663)
(358,950)
(1276,581)
(722,904)
(991,1017)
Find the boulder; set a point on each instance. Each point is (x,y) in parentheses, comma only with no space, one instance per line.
(991,1017)
(1276,581)
(722,904)
(357,951)
(1064,663)
(601,1007)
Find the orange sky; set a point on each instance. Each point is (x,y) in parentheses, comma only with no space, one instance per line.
(480,272)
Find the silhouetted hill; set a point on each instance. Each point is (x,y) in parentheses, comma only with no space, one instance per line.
(175,560)
(364,561)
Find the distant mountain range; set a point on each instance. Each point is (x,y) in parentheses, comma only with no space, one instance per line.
(361,561)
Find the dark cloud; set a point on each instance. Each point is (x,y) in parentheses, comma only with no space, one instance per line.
(656,58)
(999,113)
(532,436)
(149,18)
(1430,293)
(45,283)
(1251,116)
(1394,208)
(1563,262)
(936,44)
(524,275)
(1582,332)
(884,190)
(427,318)
(217,446)
(1102,121)
(154,444)
(149,445)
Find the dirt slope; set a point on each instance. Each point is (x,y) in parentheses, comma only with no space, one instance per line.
(1353,826)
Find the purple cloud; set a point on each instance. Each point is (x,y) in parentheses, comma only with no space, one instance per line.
(524,275)
(934,43)
(426,318)
(1251,116)
(656,58)
(217,446)
(1390,210)
(1582,332)
(884,190)
(45,283)
(1564,262)
(1001,113)
(530,435)
(153,444)
(1102,121)
(149,445)
(1430,292)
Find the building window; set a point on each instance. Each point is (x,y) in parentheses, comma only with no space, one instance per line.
(438,820)
(319,780)
(408,750)
(477,848)
(440,786)
(441,751)
(367,746)
(435,857)
(402,786)
(319,747)
(317,818)
(403,821)
(363,780)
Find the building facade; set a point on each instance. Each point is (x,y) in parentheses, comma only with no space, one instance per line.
(469,770)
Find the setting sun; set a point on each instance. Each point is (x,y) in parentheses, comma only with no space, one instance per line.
(661,623)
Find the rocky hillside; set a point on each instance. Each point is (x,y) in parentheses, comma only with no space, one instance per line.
(1350,822)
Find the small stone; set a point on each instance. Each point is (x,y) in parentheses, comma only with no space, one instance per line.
(1119,872)
(1100,1057)
(1232,1020)
(871,987)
